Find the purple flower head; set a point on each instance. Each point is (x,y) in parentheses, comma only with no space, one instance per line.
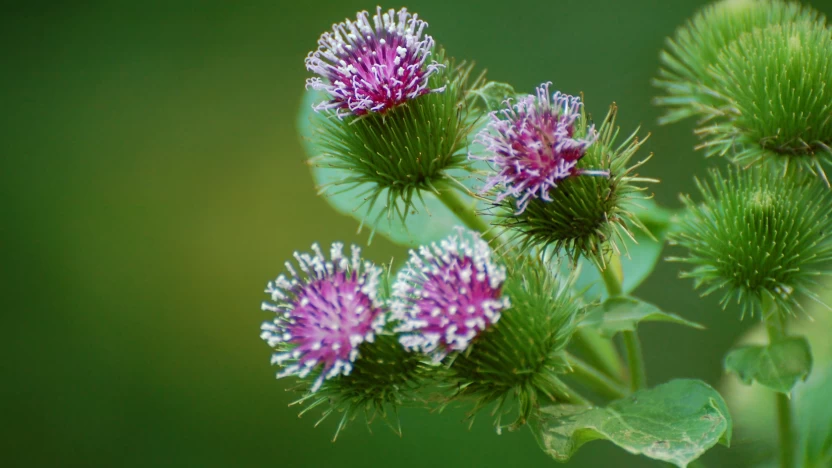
(533,146)
(448,294)
(372,67)
(323,314)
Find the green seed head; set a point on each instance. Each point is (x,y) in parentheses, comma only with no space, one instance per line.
(587,215)
(518,360)
(777,86)
(409,148)
(685,77)
(757,236)
(384,378)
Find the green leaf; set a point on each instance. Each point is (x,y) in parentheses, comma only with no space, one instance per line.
(778,366)
(492,94)
(619,314)
(431,223)
(640,257)
(675,422)
(814,414)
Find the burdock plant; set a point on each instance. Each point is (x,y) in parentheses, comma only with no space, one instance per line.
(775,83)
(394,116)
(515,229)
(559,181)
(686,78)
(758,238)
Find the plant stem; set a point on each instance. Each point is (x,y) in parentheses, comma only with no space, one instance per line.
(635,358)
(776,332)
(612,276)
(600,352)
(465,212)
(595,379)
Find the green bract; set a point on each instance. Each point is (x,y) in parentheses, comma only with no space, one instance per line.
(520,358)
(396,154)
(588,215)
(757,235)
(685,75)
(778,109)
(384,377)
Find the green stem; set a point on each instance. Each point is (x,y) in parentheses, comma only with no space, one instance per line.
(465,212)
(635,358)
(600,352)
(595,379)
(612,276)
(776,332)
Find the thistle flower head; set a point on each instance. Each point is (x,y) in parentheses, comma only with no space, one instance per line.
(777,98)
(324,313)
(519,361)
(583,216)
(533,146)
(372,66)
(448,294)
(758,236)
(685,76)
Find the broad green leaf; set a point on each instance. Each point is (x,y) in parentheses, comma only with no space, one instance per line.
(433,222)
(492,94)
(619,314)
(675,422)
(814,415)
(638,258)
(778,366)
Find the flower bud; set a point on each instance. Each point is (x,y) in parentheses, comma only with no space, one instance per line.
(685,76)
(757,235)
(775,82)
(330,326)
(394,115)
(560,182)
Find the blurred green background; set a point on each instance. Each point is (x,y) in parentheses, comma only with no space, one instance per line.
(152,182)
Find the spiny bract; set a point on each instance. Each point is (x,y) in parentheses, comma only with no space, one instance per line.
(685,74)
(777,86)
(756,236)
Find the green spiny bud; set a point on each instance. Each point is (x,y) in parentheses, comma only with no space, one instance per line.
(519,359)
(757,236)
(685,76)
(584,216)
(778,108)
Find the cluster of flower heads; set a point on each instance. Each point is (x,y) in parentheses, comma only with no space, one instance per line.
(372,67)
(448,294)
(323,313)
(533,146)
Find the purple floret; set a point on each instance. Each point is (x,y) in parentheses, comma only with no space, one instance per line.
(448,294)
(323,314)
(373,66)
(532,145)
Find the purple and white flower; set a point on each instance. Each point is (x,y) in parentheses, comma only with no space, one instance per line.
(532,145)
(373,66)
(447,295)
(323,313)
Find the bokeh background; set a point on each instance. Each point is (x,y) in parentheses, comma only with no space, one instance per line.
(152,181)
